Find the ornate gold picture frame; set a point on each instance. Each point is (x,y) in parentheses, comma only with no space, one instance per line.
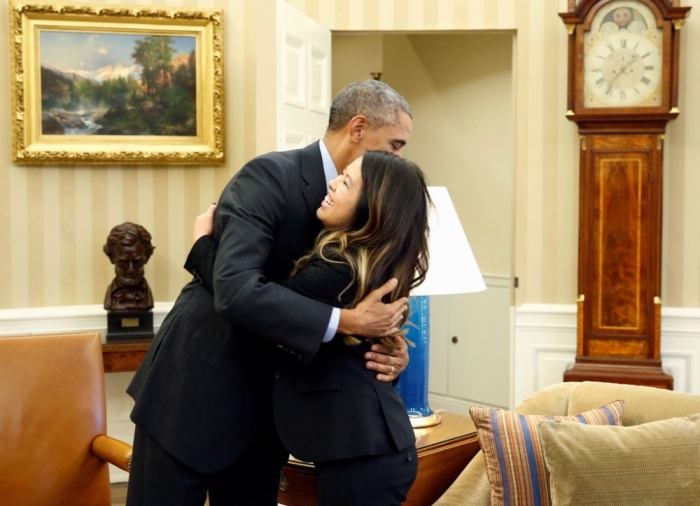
(116,85)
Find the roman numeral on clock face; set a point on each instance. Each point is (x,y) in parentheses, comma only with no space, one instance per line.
(646,80)
(623,43)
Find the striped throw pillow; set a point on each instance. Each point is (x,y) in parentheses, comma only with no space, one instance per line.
(513,454)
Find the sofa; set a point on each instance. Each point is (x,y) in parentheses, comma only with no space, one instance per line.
(642,405)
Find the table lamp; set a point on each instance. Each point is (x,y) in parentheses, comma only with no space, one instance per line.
(452,270)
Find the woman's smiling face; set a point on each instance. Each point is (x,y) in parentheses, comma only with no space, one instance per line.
(338,208)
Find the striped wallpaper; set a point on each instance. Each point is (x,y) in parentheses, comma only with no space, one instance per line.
(56,219)
(546,206)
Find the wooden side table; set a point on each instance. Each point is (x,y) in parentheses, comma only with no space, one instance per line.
(124,356)
(443,451)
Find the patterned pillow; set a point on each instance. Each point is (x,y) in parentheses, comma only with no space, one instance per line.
(513,453)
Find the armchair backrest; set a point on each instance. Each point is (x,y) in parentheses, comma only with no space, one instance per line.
(52,405)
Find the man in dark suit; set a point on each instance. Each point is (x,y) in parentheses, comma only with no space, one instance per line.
(203,392)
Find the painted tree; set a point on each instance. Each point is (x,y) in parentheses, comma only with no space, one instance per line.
(155,54)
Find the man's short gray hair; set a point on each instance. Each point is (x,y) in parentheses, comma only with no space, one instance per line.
(374,100)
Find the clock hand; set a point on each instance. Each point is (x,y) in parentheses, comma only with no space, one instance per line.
(633,59)
(622,71)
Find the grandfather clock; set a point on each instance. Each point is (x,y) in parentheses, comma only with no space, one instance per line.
(622,90)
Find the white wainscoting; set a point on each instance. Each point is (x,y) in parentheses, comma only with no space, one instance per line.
(543,345)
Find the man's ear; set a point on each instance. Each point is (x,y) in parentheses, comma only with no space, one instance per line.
(357,127)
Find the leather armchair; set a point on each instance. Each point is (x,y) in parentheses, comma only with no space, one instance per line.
(53,447)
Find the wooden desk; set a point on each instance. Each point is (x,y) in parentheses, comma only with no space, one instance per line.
(443,451)
(125,355)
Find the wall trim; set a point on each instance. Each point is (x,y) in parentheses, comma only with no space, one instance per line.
(545,344)
(497,280)
(64,319)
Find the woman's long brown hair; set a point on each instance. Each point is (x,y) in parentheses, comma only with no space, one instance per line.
(388,235)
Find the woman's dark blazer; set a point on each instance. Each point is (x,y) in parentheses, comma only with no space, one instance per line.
(204,388)
(332,408)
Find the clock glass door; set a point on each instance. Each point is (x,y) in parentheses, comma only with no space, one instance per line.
(623,57)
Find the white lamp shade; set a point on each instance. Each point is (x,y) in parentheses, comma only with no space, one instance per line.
(452,268)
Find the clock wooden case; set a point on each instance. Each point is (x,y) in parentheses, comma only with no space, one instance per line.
(622,90)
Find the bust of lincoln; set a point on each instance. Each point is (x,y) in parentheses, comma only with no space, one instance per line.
(128,248)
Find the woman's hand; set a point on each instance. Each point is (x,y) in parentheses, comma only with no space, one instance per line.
(204,223)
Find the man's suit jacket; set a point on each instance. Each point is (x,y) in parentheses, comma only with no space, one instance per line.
(206,380)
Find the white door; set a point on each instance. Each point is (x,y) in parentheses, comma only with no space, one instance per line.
(304,78)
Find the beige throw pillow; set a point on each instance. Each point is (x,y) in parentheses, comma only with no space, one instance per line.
(655,464)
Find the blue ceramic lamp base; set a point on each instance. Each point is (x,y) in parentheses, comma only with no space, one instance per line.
(413,383)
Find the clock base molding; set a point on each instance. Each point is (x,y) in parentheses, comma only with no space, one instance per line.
(650,376)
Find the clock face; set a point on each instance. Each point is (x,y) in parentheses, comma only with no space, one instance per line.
(623,59)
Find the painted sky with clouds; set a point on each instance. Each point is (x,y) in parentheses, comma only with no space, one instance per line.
(75,51)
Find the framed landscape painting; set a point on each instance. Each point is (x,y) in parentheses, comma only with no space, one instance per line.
(116,85)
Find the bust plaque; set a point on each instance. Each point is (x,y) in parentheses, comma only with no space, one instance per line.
(128,299)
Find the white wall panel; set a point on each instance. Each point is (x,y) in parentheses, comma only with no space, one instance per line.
(319,79)
(294,140)
(294,55)
(545,344)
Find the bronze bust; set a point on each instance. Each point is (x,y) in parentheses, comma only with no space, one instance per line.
(128,248)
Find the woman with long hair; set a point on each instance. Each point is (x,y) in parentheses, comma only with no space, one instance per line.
(334,413)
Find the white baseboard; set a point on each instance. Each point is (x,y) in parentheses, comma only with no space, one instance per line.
(453,405)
